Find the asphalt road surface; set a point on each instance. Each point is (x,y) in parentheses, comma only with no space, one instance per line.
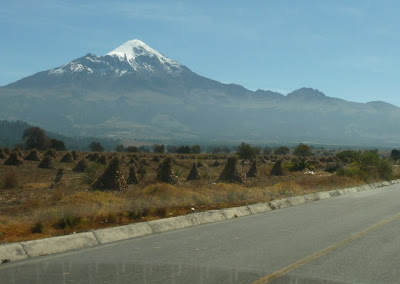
(348,239)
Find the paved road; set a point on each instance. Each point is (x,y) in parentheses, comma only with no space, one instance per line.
(347,239)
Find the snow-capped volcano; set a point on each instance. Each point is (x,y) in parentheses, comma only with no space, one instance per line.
(131,57)
(134,51)
(135,92)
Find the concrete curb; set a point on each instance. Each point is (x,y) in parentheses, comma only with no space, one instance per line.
(206,217)
(235,212)
(169,224)
(12,252)
(19,251)
(59,244)
(122,233)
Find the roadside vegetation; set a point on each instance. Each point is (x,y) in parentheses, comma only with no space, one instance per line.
(47,193)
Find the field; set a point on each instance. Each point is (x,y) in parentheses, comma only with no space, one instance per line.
(33,205)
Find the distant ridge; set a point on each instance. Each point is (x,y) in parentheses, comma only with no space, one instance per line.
(136,92)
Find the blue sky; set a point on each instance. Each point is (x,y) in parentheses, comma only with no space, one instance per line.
(346,49)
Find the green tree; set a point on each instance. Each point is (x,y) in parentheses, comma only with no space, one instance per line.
(132,149)
(171,149)
(282,150)
(184,149)
(349,154)
(96,147)
(120,148)
(395,154)
(302,150)
(36,138)
(245,151)
(158,148)
(57,144)
(196,149)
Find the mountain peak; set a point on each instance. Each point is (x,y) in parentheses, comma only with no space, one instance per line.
(133,48)
(138,54)
(306,93)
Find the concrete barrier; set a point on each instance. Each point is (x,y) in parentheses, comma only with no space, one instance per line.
(296,200)
(363,187)
(234,212)
(11,252)
(169,224)
(122,233)
(59,244)
(323,195)
(310,197)
(334,193)
(343,191)
(352,190)
(259,208)
(206,217)
(280,203)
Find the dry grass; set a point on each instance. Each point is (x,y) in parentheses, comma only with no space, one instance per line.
(34,208)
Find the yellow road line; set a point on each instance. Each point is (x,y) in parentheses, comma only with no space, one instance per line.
(320,253)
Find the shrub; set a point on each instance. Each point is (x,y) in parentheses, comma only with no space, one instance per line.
(369,165)
(67,220)
(332,167)
(298,166)
(119,148)
(352,172)
(96,147)
(196,149)
(385,169)
(245,151)
(348,154)
(184,150)
(395,154)
(57,144)
(37,228)
(158,148)
(302,150)
(171,149)
(161,212)
(282,150)
(132,149)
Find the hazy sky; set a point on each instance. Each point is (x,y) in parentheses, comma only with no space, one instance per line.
(347,49)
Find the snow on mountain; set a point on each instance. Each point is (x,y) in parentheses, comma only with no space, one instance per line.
(131,57)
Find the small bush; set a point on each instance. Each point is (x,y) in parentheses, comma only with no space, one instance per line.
(385,170)
(37,228)
(161,212)
(349,155)
(298,166)
(352,172)
(67,220)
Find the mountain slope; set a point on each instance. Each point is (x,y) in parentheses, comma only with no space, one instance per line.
(136,92)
